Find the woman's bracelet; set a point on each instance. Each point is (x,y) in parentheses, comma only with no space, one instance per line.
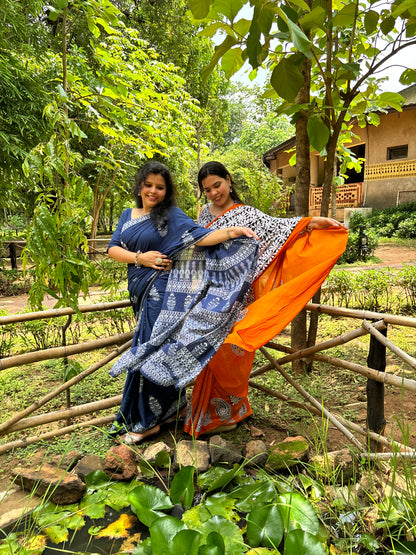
(137,263)
(228,233)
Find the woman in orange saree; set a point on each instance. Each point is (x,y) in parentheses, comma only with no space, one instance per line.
(295,257)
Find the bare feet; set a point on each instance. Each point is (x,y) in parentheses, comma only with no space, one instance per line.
(131,437)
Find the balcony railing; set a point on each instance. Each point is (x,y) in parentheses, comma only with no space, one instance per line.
(347,196)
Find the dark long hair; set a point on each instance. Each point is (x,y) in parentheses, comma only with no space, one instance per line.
(159,213)
(216,168)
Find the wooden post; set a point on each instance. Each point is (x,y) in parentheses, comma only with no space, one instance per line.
(13,256)
(375,390)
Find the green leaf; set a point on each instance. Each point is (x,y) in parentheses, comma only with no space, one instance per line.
(182,489)
(408,77)
(61,4)
(300,40)
(345,17)
(393,100)
(186,541)
(387,25)
(287,79)
(228,8)
(299,542)
(232,61)
(265,526)
(93,505)
(249,495)
(162,532)
(371,21)
(229,531)
(220,50)
(315,18)
(298,512)
(148,502)
(318,133)
(200,8)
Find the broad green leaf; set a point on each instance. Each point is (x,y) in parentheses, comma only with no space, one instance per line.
(186,541)
(57,533)
(242,26)
(400,7)
(299,542)
(215,545)
(228,8)
(371,21)
(210,30)
(182,489)
(93,505)
(220,50)
(254,48)
(200,8)
(315,18)
(229,531)
(148,502)
(298,512)
(162,532)
(318,133)
(300,40)
(387,25)
(394,100)
(232,61)
(265,526)
(249,495)
(61,4)
(408,77)
(345,17)
(287,79)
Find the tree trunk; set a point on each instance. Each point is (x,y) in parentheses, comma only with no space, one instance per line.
(303,179)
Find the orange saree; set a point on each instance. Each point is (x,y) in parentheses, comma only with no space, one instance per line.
(281,290)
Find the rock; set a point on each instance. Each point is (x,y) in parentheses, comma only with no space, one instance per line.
(192,453)
(339,467)
(255,453)
(50,481)
(90,463)
(256,432)
(15,504)
(288,453)
(68,460)
(221,450)
(120,463)
(153,453)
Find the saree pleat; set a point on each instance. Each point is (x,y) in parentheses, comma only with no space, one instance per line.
(280,292)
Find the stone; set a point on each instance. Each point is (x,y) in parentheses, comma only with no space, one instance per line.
(67,461)
(120,463)
(15,505)
(192,453)
(152,453)
(88,464)
(255,452)
(288,453)
(221,450)
(338,467)
(50,481)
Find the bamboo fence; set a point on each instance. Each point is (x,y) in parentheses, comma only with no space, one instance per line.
(372,323)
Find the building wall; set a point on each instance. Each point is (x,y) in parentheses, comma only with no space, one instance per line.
(386,182)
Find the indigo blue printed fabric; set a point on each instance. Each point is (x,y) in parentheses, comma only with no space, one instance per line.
(183,316)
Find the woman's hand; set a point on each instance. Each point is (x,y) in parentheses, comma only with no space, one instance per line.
(155,259)
(238,231)
(318,222)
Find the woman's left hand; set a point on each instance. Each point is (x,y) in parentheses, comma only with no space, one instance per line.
(238,231)
(318,222)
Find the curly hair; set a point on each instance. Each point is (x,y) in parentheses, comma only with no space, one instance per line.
(159,213)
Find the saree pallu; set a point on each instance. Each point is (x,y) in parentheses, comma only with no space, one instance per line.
(282,288)
(183,317)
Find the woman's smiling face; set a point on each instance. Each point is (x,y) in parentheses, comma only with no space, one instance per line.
(217,190)
(153,191)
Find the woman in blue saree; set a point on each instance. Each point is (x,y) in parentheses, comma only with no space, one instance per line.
(183,314)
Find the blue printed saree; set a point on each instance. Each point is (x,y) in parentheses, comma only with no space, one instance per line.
(183,316)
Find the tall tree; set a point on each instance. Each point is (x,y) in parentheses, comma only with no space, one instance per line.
(346,43)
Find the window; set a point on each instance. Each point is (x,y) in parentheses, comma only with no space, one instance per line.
(395,152)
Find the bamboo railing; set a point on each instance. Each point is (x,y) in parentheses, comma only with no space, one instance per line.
(372,323)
